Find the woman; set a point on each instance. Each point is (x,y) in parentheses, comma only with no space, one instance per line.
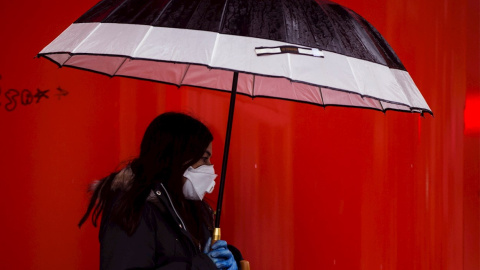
(153,213)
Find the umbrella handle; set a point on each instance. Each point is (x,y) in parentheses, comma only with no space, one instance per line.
(216,235)
(243,264)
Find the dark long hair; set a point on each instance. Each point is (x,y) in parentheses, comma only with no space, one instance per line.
(171,143)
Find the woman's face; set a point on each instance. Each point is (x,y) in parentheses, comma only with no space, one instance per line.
(205,160)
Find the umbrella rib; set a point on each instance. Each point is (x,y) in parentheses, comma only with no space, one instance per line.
(83,41)
(284,19)
(184,75)
(161,13)
(356,80)
(381,106)
(220,26)
(311,30)
(115,10)
(409,102)
(69,56)
(321,95)
(119,66)
(214,50)
(289,67)
(253,86)
(335,32)
(380,51)
(134,54)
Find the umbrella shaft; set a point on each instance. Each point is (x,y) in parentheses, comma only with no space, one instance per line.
(226,148)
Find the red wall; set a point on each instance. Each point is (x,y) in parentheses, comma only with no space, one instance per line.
(308,188)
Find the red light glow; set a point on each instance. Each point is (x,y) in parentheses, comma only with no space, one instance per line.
(472,115)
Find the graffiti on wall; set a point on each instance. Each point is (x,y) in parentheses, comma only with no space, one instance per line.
(12,98)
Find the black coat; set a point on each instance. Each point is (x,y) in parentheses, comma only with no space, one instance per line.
(160,241)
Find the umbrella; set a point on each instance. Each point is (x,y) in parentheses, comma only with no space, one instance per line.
(312,51)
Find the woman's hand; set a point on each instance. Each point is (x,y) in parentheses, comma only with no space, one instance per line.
(221,255)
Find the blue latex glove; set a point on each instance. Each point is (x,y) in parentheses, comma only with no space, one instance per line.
(221,256)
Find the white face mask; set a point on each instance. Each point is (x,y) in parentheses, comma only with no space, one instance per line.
(199,181)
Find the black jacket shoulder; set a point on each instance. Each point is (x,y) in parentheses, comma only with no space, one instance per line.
(159,242)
